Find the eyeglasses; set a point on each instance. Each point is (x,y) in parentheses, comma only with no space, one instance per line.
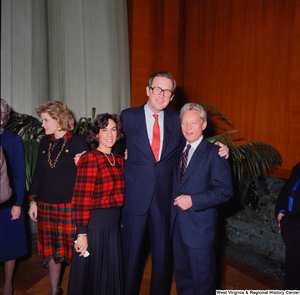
(157,90)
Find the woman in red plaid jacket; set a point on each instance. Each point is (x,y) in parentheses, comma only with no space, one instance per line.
(97,201)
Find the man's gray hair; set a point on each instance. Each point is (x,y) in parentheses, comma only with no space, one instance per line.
(5,112)
(194,107)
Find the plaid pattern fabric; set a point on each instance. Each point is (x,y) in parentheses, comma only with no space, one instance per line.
(55,231)
(98,185)
(32,198)
(65,137)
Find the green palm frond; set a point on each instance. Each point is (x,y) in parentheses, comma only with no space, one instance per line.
(26,126)
(213,110)
(31,148)
(82,125)
(84,122)
(31,131)
(252,157)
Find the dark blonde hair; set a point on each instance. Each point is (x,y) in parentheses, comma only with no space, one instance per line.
(57,110)
(5,112)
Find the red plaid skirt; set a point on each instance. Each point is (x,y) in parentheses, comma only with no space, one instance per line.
(55,231)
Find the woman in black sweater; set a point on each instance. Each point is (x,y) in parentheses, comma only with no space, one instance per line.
(52,187)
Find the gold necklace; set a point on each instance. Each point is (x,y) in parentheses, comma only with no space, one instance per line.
(108,158)
(49,154)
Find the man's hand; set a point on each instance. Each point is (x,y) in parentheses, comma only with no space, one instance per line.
(224,150)
(184,202)
(77,157)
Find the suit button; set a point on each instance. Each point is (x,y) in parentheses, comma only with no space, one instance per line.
(153,179)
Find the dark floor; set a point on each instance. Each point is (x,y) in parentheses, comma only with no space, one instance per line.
(32,279)
(265,264)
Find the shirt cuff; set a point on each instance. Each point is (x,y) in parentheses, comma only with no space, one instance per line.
(33,198)
(82,230)
(281,211)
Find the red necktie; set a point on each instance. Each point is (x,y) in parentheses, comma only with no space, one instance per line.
(155,138)
(184,159)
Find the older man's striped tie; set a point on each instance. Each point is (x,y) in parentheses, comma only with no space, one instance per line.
(184,159)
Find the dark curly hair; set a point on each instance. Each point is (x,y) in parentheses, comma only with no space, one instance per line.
(101,122)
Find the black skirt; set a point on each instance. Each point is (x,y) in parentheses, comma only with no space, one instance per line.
(102,271)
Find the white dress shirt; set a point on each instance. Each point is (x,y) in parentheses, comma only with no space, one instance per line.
(194,145)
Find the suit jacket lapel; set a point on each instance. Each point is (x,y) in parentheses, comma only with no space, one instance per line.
(196,160)
(178,161)
(168,126)
(140,124)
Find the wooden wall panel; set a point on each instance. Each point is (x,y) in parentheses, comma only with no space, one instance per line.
(243,56)
(154,27)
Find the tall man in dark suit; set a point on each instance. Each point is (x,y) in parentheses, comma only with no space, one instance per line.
(153,135)
(149,183)
(201,181)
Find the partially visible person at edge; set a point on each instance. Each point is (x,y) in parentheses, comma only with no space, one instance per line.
(53,186)
(12,224)
(97,201)
(287,213)
(153,135)
(5,189)
(201,182)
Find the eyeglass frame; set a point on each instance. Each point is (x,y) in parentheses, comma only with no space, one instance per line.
(161,90)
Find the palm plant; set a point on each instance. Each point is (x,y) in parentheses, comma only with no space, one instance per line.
(252,157)
(83,123)
(31,131)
